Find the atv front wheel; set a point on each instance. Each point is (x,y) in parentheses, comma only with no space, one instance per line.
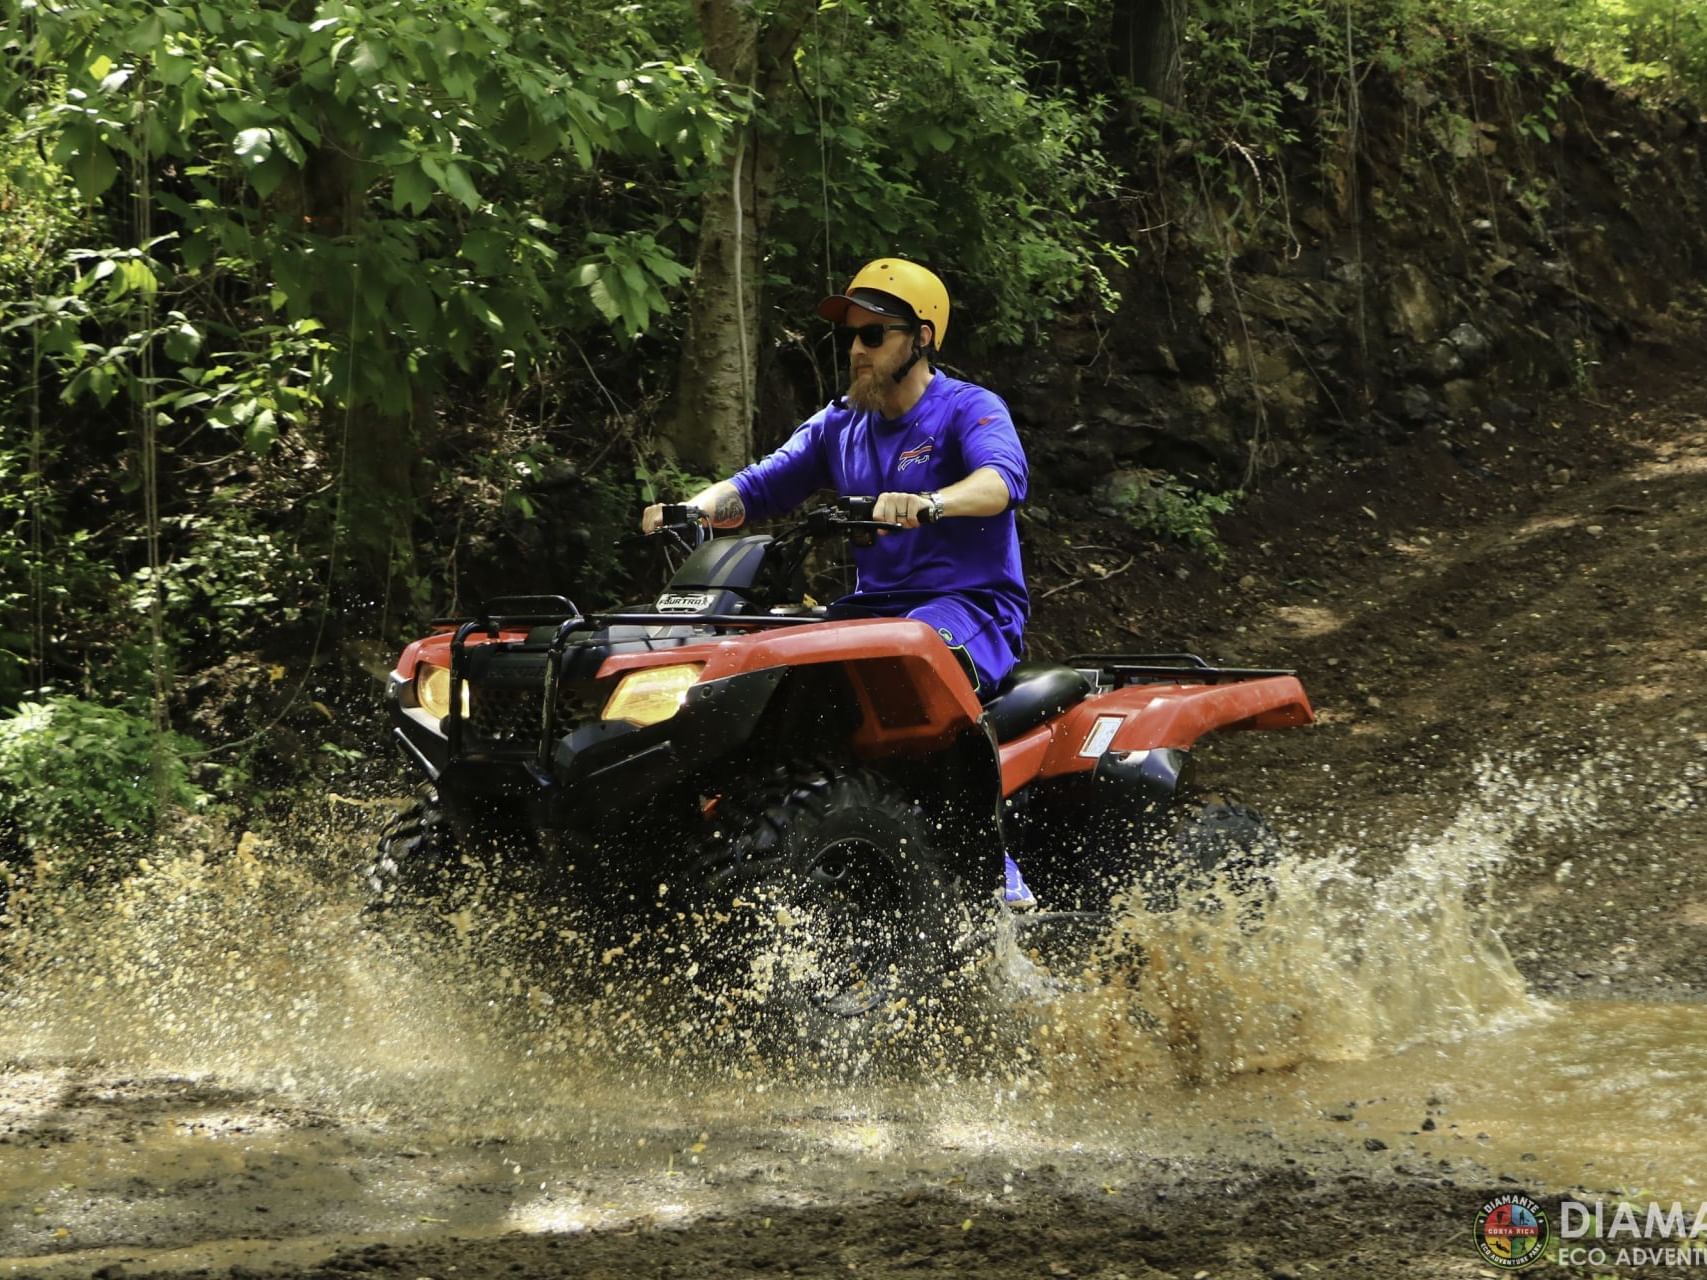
(834,910)
(417,857)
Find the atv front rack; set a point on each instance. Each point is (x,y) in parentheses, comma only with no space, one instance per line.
(1118,670)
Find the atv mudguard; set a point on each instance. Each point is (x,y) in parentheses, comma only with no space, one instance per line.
(1141,735)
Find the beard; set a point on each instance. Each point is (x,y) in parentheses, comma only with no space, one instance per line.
(871,387)
(866,389)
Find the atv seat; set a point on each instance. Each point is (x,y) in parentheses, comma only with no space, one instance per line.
(1032,692)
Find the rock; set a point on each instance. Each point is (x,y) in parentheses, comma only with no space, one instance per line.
(1127,490)
(1473,346)
(1374,1144)
(1415,306)
(1417,405)
(1200,398)
(1122,419)
(1345,272)
(1463,396)
(1316,218)
(1443,362)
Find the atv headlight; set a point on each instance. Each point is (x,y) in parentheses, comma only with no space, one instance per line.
(652,693)
(432,690)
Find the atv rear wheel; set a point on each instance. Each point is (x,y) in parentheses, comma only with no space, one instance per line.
(1213,841)
(835,914)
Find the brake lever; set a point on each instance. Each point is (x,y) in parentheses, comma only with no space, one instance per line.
(863,533)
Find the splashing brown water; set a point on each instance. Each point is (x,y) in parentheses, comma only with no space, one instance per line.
(1356,1003)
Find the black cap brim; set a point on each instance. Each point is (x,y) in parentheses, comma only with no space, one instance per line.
(835,307)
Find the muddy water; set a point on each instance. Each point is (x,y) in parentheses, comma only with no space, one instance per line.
(224,1064)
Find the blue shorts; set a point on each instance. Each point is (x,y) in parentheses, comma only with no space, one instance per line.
(972,635)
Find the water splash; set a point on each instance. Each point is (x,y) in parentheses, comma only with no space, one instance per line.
(253,969)
(1336,961)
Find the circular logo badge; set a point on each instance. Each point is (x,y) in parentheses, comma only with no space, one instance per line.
(1511,1231)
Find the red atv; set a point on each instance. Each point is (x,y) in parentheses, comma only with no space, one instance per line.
(740,764)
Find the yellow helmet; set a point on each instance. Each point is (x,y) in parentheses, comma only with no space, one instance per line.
(883,284)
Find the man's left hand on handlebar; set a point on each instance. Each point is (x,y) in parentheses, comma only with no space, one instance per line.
(907,509)
(652,518)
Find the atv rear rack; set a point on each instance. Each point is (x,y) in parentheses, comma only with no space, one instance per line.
(1117,670)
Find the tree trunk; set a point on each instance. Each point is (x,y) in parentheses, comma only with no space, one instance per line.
(381,460)
(1144,46)
(711,426)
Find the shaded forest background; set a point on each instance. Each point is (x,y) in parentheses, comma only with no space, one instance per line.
(318,318)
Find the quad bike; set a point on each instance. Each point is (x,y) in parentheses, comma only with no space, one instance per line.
(737,761)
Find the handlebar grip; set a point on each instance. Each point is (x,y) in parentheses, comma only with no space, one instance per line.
(678,513)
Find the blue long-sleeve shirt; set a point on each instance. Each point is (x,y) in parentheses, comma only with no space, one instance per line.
(955,428)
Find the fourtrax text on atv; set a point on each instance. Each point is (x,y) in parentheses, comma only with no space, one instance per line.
(737,759)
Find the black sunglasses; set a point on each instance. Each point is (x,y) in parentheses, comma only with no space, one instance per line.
(872,335)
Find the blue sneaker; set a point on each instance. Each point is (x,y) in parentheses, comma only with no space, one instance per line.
(1015,892)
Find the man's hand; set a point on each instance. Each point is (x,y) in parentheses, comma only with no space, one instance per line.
(652,518)
(720,506)
(900,508)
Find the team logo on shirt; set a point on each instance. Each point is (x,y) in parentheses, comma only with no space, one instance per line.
(918,453)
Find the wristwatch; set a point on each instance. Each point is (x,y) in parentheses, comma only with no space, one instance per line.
(935,508)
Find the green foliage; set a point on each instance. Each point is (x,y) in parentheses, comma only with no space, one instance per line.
(78,774)
(232,581)
(1188,515)
(38,216)
(958,153)
(385,170)
(1659,46)
(665,481)
(79,589)
(1163,504)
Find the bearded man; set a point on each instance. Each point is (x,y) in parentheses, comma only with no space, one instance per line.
(942,457)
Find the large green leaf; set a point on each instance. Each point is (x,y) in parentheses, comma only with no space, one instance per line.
(460,186)
(253,147)
(411,189)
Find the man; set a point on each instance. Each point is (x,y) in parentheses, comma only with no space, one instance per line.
(940,454)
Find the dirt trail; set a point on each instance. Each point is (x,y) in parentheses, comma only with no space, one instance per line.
(1502,630)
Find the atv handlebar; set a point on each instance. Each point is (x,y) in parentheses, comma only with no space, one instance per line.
(686,524)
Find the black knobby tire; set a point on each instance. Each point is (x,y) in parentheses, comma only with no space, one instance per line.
(417,859)
(833,901)
(1213,842)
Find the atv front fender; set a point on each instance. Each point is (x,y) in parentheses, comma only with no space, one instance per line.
(612,764)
